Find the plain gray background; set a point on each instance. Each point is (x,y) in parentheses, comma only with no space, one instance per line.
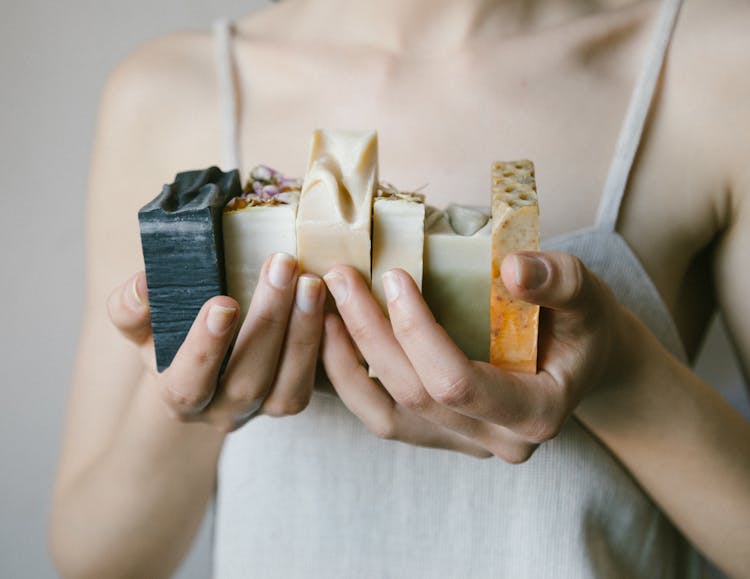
(54,60)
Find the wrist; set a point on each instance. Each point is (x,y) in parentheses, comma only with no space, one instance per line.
(636,360)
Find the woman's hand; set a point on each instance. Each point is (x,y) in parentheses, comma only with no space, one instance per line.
(433,395)
(272,366)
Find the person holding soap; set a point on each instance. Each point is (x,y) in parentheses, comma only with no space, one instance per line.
(632,466)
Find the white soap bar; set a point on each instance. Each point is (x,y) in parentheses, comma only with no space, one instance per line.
(397,240)
(335,209)
(457,282)
(250,236)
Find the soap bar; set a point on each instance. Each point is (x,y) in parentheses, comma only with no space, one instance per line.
(397,237)
(515,227)
(456,282)
(257,224)
(334,215)
(181,236)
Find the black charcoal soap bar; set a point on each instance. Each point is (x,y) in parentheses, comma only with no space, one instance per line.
(183,250)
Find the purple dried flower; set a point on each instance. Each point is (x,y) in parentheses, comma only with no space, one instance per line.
(258,188)
(270,190)
(263,173)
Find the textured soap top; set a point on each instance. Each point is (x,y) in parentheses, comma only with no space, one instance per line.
(462,220)
(513,183)
(183,250)
(266,187)
(195,190)
(341,178)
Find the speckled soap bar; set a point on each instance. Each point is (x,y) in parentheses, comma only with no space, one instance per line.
(183,250)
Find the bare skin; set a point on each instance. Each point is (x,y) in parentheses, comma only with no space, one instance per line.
(553,83)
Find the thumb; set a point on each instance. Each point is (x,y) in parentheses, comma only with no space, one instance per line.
(129,311)
(558,281)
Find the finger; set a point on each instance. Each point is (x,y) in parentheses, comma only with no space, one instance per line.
(252,368)
(446,373)
(292,389)
(191,378)
(373,405)
(128,309)
(374,336)
(555,280)
(579,316)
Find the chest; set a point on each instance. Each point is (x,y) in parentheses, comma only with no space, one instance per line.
(442,122)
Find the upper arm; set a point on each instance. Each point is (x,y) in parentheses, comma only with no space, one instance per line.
(732,263)
(154,120)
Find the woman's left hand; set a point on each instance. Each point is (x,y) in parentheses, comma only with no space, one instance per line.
(431,394)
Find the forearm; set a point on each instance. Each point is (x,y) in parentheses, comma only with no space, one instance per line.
(134,511)
(688,449)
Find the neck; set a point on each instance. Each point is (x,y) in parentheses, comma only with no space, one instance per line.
(427,27)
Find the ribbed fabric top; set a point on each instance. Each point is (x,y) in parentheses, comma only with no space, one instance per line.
(317,495)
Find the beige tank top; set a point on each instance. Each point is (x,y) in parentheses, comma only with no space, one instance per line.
(316,495)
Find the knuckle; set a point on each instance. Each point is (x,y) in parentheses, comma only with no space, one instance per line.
(185,402)
(361,332)
(543,430)
(516,453)
(305,342)
(287,406)
(384,427)
(245,400)
(203,358)
(415,399)
(455,391)
(404,324)
(271,320)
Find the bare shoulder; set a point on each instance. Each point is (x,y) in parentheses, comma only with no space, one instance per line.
(167,81)
(712,57)
(158,115)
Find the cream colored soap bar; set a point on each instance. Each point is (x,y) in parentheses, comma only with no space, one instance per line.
(334,217)
(250,236)
(515,227)
(456,281)
(397,238)
(256,224)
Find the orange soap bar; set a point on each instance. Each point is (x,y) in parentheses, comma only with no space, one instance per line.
(514,324)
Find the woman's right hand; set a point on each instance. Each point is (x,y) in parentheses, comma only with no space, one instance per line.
(272,366)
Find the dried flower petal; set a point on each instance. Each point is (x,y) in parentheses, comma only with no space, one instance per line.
(262,173)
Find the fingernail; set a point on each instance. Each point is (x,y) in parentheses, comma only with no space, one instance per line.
(281,270)
(391,285)
(531,272)
(220,319)
(337,286)
(308,292)
(133,296)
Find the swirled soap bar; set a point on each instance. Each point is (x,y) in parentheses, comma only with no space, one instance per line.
(183,249)
(334,216)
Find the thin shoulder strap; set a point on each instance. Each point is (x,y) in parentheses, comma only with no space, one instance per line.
(229,105)
(635,118)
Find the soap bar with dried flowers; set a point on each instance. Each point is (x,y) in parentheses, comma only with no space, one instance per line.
(258,223)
